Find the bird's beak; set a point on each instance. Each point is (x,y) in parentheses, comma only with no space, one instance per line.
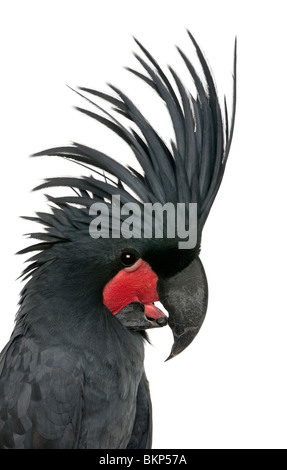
(136,316)
(185,297)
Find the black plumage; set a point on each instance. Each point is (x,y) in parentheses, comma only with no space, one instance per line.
(72,374)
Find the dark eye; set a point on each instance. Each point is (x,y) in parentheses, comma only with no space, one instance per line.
(128,259)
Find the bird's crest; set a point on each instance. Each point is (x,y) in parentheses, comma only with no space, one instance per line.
(190,171)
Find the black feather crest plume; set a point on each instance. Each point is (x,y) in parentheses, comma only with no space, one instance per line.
(191,171)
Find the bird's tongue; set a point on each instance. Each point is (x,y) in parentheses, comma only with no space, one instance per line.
(151,311)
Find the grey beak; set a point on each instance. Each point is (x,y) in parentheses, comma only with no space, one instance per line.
(185,297)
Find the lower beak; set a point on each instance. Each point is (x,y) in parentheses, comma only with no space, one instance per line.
(136,316)
(185,298)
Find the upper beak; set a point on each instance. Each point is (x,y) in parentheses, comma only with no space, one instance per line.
(185,297)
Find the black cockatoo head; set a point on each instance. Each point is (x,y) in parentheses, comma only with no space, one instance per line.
(127,239)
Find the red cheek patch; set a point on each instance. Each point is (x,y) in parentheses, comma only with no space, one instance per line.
(134,284)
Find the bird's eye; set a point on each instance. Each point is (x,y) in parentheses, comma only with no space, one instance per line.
(128,259)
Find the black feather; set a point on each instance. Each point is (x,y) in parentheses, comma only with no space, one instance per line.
(72,374)
(191,172)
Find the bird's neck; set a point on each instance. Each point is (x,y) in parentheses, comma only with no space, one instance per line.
(59,316)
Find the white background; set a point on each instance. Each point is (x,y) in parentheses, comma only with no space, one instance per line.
(228,390)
